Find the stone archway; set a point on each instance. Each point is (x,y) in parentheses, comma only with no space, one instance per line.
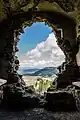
(58,18)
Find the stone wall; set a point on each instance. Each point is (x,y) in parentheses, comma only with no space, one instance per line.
(6,49)
(8,40)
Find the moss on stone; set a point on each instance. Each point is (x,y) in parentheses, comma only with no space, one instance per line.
(13,4)
(67,7)
(2,11)
(46,6)
(27,7)
(42,5)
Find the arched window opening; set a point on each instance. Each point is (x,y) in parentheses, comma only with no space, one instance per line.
(39,55)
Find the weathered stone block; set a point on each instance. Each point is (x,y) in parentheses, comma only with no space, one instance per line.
(60,100)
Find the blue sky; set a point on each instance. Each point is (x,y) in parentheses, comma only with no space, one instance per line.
(32,36)
(38,47)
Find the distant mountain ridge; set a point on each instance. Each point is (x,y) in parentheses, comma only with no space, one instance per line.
(25,71)
(46,72)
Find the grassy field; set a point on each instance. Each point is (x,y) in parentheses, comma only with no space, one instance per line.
(40,84)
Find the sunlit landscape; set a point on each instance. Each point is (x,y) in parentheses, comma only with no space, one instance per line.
(40,84)
(39,56)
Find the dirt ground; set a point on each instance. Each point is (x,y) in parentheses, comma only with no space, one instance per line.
(38,114)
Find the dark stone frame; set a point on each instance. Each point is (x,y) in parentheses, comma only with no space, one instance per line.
(14,23)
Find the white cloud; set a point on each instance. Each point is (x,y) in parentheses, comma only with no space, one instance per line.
(45,54)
